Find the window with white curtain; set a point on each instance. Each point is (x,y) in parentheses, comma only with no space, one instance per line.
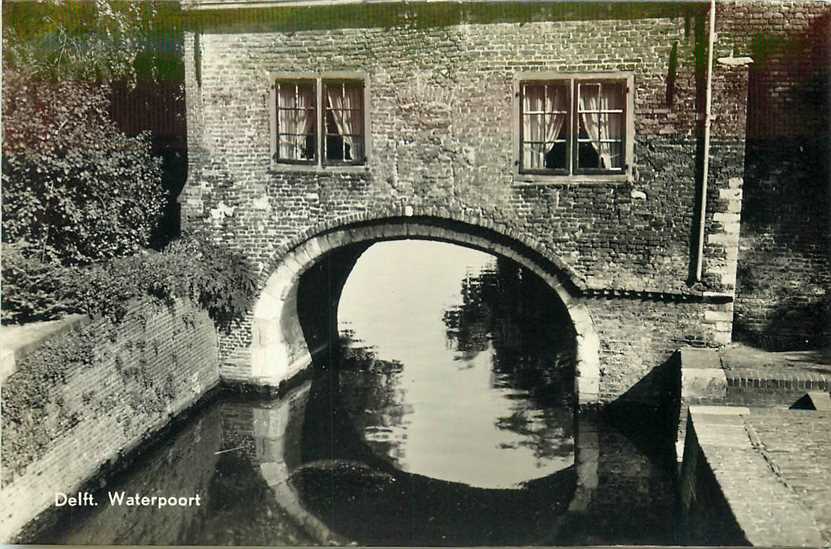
(344,121)
(574,126)
(319,121)
(296,105)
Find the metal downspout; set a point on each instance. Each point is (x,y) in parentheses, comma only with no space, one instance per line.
(699,259)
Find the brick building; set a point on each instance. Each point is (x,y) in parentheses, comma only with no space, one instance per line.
(784,286)
(570,137)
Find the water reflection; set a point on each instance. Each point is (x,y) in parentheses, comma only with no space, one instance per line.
(440,418)
(217,455)
(476,398)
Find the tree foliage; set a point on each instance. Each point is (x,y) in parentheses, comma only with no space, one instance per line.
(80,198)
(75,188)
(97,41)
(191,267)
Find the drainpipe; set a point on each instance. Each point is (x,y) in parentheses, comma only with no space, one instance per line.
(699,259)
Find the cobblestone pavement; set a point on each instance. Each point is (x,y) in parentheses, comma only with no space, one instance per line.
(772,464)
(767,511)
(760,378)
(797,447)
(742,357)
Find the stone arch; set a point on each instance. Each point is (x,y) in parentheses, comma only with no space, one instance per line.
(278,348)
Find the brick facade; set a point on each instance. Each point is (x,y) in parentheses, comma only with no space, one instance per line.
(783,298)
(441,81)
(442,131)
(75,402)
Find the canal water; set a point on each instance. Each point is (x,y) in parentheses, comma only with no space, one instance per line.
(443,416)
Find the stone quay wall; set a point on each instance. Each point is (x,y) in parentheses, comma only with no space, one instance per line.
(749,477)
(75,401)
(440,82)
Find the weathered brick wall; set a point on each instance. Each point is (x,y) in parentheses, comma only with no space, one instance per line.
(440,82)
(80,399)
(638,338)
(442,130)
(783,297)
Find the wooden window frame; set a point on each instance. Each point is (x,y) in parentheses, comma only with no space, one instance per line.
(275,132)
(324,82)
(319,163)
(573,173)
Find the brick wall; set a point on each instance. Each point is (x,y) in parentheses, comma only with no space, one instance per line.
(783,298)
(442,130)
(76,401)
(440,80)
(638,338)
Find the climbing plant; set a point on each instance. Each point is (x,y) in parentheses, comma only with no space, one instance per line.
(70,40)
(192,266)
(75,188)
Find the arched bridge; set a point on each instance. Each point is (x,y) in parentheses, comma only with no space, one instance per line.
(279,345)
(440,145)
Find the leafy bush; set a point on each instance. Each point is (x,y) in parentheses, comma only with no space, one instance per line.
(192,267)
(30,286)
(100,40)
(74,187)
(221,279)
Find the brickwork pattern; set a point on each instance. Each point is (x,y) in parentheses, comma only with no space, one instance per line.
(442,145)
(762,387)
(152,365)
(639,336)
(783,298)
(442,135)
(759,378)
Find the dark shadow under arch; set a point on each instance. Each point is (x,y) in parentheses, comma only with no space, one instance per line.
(279,348)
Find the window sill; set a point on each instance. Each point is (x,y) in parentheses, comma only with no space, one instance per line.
(521,180)
(277,167)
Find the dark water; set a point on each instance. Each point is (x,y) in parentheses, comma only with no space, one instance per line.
(442,417)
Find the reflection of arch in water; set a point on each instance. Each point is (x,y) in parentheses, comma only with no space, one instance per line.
(280,345)
(277,434)
(288,437)
(340,471)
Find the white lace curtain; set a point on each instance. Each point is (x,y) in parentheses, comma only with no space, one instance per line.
(344,102)
(541,124)
(605,129)
(295,120)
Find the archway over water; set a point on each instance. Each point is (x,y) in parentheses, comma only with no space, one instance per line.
(279,348)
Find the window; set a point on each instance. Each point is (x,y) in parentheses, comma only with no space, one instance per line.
(306,134)
(575,125)
(296,121)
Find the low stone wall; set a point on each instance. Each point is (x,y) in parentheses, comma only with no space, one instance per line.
(744,376)
(761,388)
(742,485)
(90,390)
(703,381)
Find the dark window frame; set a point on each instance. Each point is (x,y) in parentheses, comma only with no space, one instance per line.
(319,80)
(277,133)
(573,172)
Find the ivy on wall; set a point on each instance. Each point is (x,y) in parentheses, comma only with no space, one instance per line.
(37,408)
(192,267)
(32,413)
